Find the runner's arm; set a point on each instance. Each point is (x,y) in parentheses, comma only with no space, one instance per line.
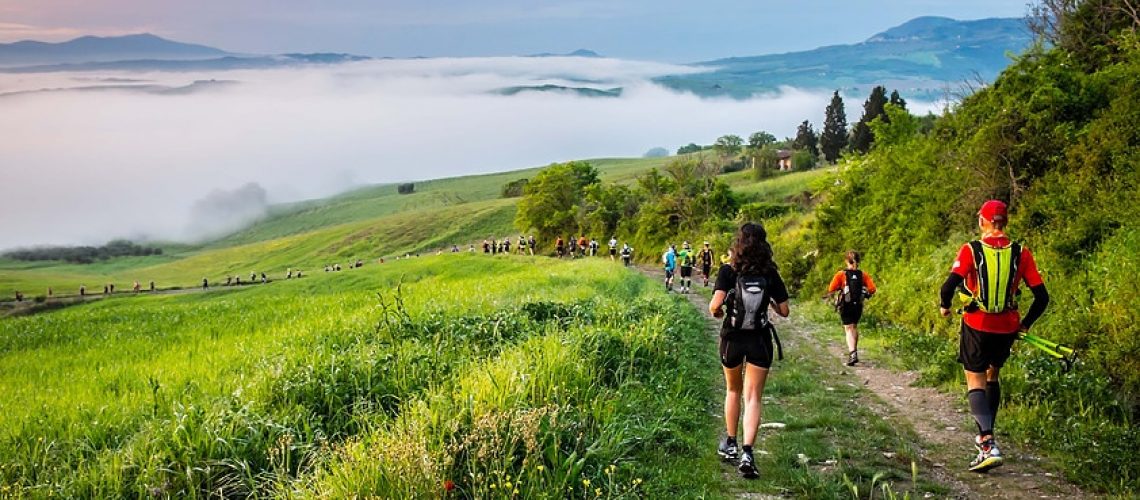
(716,303)
(1040,301)
(946,294)
(781,308)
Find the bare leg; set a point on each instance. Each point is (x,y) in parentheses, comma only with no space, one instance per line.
(734,383)
(753,398)
(852,337)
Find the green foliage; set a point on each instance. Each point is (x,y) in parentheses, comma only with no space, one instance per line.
(1059,141)
(833,140)
(758,140)
(728,145)
(766,163)
(806,139)
(690,148)
(554,200)
(515,188)
(803,160)
(406,188)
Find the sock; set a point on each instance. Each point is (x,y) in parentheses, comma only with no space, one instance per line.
(980,409)
(731,439)
(748,448)
(993,396)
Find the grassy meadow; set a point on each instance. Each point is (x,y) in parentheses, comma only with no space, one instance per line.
(389,380)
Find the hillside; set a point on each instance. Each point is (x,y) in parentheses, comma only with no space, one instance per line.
(91,49)
(922,58)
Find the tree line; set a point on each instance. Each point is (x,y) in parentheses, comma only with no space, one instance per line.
(84,254)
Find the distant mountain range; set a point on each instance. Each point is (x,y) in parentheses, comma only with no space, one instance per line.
(91,49)
(921,58)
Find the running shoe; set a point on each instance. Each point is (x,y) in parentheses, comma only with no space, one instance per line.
(728,449)
(989,456)
(747,466)
(852,358)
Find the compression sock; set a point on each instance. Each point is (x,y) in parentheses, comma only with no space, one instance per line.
(747,448)
(993,397)
(980,409)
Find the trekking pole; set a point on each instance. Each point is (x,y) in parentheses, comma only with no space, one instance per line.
(1066,355)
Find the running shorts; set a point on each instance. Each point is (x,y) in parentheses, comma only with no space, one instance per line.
(753,347)
(977,351)
(850,313)
(686,272)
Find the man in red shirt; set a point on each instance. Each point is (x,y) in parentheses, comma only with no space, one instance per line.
(990,270)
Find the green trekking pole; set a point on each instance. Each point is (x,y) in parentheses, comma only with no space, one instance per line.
(1066,355)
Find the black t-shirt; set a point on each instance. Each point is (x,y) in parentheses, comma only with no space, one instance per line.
(726,281)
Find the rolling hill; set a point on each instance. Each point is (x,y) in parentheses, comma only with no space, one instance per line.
(922,58)
(89,49)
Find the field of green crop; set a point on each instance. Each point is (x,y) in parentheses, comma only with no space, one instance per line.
(495,376)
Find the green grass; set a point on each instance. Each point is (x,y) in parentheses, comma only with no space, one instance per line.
(271,390)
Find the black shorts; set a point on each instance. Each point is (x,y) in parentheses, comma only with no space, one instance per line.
(668,273)
(753,347)
(977,351)
(850,313)
(613,251)
(686,272)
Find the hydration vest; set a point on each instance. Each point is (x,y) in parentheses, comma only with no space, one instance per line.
(854,291)
(996,269)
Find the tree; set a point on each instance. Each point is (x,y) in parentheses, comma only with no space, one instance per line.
(728,145)
(765,162)
(690,148)
(806,139)
(861,135)
(406,188)
(554,199)
(897,100)
(834,136)
(760,139)
(515,188)
(803,160)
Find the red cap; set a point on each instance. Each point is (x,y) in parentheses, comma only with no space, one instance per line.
(994,211)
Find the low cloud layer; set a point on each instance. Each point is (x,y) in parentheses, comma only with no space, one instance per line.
(85,167)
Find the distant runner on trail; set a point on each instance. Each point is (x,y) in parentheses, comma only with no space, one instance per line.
(522,245)
(746,288)
(573,247)
(849,288)
(507,246)
(670,261)
(705,258)
(530,243)
(205,284)
(988,272)
(686,257)
(613,248)
(626,254)
(560,247)
(583,245)
(486,246)
(593,247)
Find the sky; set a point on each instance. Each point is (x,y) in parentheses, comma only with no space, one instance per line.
(659,30)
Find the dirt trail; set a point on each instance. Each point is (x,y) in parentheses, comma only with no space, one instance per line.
(940,419)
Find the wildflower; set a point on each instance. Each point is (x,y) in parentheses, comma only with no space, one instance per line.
(448,485)
(492,486)
(541,468)
(598,492)
(637,481)
(507,485)
(585,482)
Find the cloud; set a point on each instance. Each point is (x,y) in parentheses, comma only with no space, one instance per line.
(85,167)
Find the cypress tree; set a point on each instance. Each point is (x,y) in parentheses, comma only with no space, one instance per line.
(897,100)
(834,136)
(806,140)
(874,107)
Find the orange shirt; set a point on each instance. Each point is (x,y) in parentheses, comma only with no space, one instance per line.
(1007,321)
(840,281)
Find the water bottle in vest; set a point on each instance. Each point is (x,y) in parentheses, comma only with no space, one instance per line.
(853,290)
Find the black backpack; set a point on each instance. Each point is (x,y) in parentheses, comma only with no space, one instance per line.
(854,291)
(748,308)
(748,311)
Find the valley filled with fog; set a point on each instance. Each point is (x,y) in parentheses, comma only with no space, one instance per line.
(91,156)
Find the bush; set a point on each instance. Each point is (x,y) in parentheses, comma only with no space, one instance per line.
(406,188)
(515,188)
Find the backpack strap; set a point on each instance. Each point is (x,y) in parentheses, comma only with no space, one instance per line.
(776,338)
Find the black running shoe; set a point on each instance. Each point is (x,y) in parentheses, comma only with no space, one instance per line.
(747,466)
(852,358)
(728,449)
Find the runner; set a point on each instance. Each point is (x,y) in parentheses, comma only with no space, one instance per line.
(573,247)
(530,244)
(989,271)
(593,247)
(507,245)
(849,287)
(746,288)
(670,261)
(486,246)
(560,247)
(613,248)
(205,284)
(522,245)
(583,245)
(686,258)
(82,290)
(705,258)
(626,254)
